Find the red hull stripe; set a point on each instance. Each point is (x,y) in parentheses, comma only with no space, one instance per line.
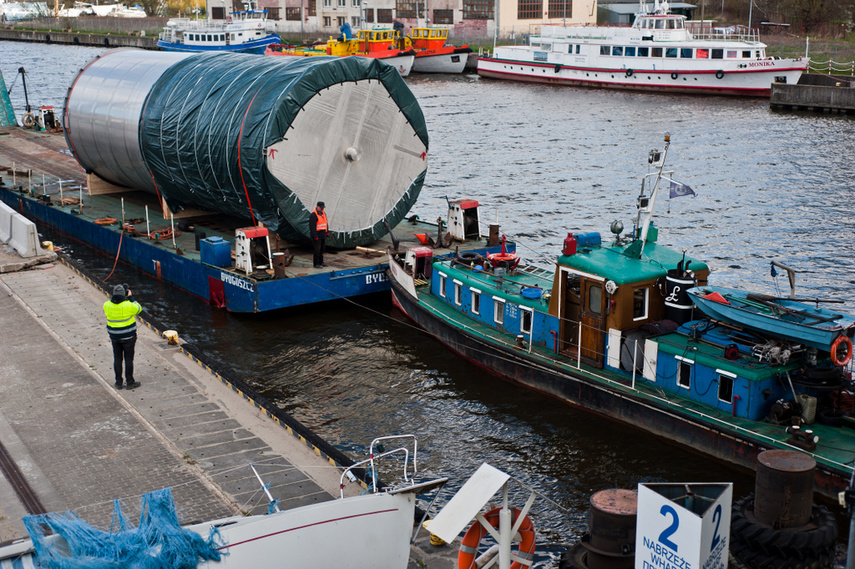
(307,526)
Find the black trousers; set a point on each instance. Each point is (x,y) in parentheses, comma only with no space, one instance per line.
(320,245)
(124,350)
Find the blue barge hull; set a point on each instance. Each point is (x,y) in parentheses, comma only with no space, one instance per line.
(223,286)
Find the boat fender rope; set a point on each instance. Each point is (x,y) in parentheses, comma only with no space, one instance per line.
(629,72)
(719,74)
(469,544)
(836,359)
(673,75)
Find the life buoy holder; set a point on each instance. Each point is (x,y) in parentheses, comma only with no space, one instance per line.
(506,260)
(719,74)
(674,75)
(836,359)
(28,120)
(629,72)
(473,536)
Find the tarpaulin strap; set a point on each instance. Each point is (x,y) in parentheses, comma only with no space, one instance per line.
(240,168)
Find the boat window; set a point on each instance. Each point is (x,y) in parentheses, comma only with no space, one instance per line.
(731,53)
(442,278)
(525,323)
(579,47)
(718,54)
(476,300)
(746,54)
(605,50)
(570,48)
(672,24)
(702,54)
(547,47)
(660,24)
(222,37)
(629,51)
(656,52)
(233,37)
(725,388)
(209,37)
(498,310)
(679,24)
(686,52)
(617,50)
(759,54)
(684,374)
(595,299)
(670,52)
(643,51)
(458,293)
(645,23)
(639,303)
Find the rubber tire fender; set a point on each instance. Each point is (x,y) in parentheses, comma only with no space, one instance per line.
(674,75)
(802,545)
(28,120)
(629,72)
(468,257)
(719,74)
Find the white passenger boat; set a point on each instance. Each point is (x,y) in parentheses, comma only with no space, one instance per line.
(245,31)
(659,52)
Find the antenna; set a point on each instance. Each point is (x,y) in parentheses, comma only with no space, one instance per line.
(646,204)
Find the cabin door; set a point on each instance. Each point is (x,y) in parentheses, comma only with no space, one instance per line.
(593,309)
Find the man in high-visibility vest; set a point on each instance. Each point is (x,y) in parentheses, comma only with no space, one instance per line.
(121,311)
(318,231)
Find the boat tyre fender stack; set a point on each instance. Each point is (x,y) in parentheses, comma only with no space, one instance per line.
(759,546)
(469,258)
(473,536)
(837,358)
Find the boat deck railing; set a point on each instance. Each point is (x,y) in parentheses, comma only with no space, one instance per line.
(729,34)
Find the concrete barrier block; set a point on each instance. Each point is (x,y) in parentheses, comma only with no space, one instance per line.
(25,238)
(6,214)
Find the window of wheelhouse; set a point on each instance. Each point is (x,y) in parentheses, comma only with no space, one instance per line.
(498,310)
(595,299)
(684,373)
(725,386)
(476,300)
(442,279)
(639,303)
(527,316)
(458,293)
(746,54)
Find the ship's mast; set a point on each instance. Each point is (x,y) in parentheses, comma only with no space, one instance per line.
(646,203)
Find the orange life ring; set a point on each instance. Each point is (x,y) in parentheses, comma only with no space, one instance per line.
(469,545)
(105,221)
(835,358)
(508,259)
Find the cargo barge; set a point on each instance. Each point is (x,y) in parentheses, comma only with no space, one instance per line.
(202,170)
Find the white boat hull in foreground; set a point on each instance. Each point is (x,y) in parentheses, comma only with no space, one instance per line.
(440,63)
(403,63)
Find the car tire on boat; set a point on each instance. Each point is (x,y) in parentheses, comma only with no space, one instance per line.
(674,75)
(469,257)
(806,543)
(629,72)
(753,559)
(719,74)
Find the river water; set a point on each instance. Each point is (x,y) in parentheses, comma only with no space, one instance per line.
(543,161)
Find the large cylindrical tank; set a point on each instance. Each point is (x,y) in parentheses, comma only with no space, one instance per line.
(257,137)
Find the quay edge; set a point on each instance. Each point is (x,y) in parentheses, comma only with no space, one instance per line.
(78,38)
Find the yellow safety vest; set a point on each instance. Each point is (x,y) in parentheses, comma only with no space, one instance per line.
(121,317)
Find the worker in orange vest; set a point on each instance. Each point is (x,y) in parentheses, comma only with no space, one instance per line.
(318,231)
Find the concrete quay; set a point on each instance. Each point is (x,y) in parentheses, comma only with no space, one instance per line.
(79,38)
(75,442)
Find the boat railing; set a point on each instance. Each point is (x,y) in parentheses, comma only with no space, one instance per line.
(729,34)
(372,457)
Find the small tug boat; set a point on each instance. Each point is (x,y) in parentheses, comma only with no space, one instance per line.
(659,52)
(374,44)
(433,52)
(613,330)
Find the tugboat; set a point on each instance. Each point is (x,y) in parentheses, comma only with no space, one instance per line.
(612,329)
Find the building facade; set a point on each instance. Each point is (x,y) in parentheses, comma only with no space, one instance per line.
(466,19)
